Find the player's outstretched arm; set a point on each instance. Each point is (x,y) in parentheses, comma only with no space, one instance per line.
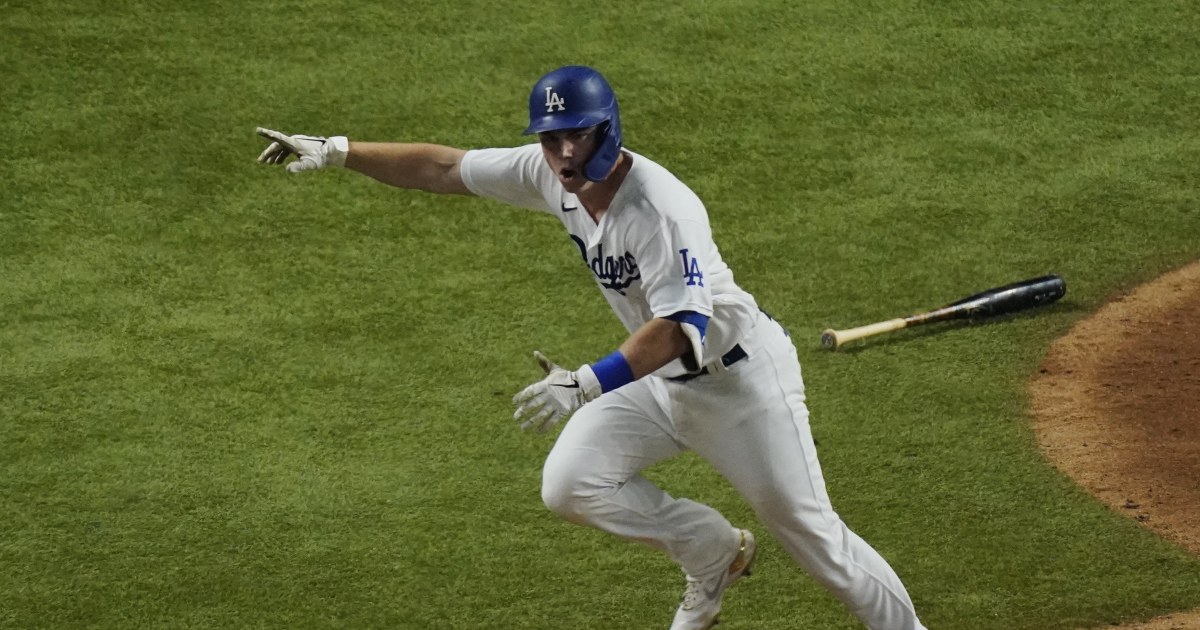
(429,167)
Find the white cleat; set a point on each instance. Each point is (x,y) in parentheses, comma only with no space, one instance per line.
(702,600)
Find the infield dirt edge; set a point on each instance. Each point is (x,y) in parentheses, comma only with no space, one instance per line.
(1082,399)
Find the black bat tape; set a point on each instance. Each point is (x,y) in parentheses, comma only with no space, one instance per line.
(998,301)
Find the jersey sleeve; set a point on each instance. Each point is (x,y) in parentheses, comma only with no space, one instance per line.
(672,265)
(509,175)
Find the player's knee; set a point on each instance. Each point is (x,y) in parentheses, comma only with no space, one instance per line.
(558,498)
(569,497)
(567,488)
(824,548)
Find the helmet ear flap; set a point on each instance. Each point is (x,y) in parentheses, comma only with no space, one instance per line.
(607,150)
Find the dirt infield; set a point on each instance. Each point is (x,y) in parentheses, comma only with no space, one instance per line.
(1116,404)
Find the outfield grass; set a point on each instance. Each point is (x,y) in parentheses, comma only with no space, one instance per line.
(232,398)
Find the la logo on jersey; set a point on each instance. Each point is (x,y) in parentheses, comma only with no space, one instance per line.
(691,269)
(554,100)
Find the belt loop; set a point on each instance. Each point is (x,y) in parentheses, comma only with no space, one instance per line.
(735,354)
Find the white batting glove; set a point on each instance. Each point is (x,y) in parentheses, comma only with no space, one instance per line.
(546,402)
(312,152)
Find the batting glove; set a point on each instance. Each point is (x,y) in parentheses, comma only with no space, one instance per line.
(312,152)
(546,402)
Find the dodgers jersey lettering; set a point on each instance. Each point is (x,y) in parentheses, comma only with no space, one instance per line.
(652,252)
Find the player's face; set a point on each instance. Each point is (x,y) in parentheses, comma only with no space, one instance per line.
(567,151)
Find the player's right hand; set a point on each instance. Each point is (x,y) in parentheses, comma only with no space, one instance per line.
(546,402)
(312,152)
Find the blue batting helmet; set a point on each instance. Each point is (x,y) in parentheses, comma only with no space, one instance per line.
(575,97)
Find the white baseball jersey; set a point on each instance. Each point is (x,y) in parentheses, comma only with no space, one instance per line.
(652,252)
(653,256)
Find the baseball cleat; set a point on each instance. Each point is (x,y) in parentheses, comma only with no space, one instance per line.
(702,599)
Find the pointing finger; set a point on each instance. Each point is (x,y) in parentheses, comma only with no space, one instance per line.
(270,134)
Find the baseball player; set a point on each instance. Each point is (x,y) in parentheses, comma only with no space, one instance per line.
(702,369)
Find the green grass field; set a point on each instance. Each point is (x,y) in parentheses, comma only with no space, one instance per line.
(233,398)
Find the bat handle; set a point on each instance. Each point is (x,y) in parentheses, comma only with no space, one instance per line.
(834,339)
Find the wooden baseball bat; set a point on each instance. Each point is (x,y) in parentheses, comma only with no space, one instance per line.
(998,301)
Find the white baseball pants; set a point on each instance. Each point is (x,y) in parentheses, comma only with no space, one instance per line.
(751,423)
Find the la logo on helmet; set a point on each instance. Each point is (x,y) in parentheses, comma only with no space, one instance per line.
(554,100)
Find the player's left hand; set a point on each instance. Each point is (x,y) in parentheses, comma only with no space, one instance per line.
(546,402)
